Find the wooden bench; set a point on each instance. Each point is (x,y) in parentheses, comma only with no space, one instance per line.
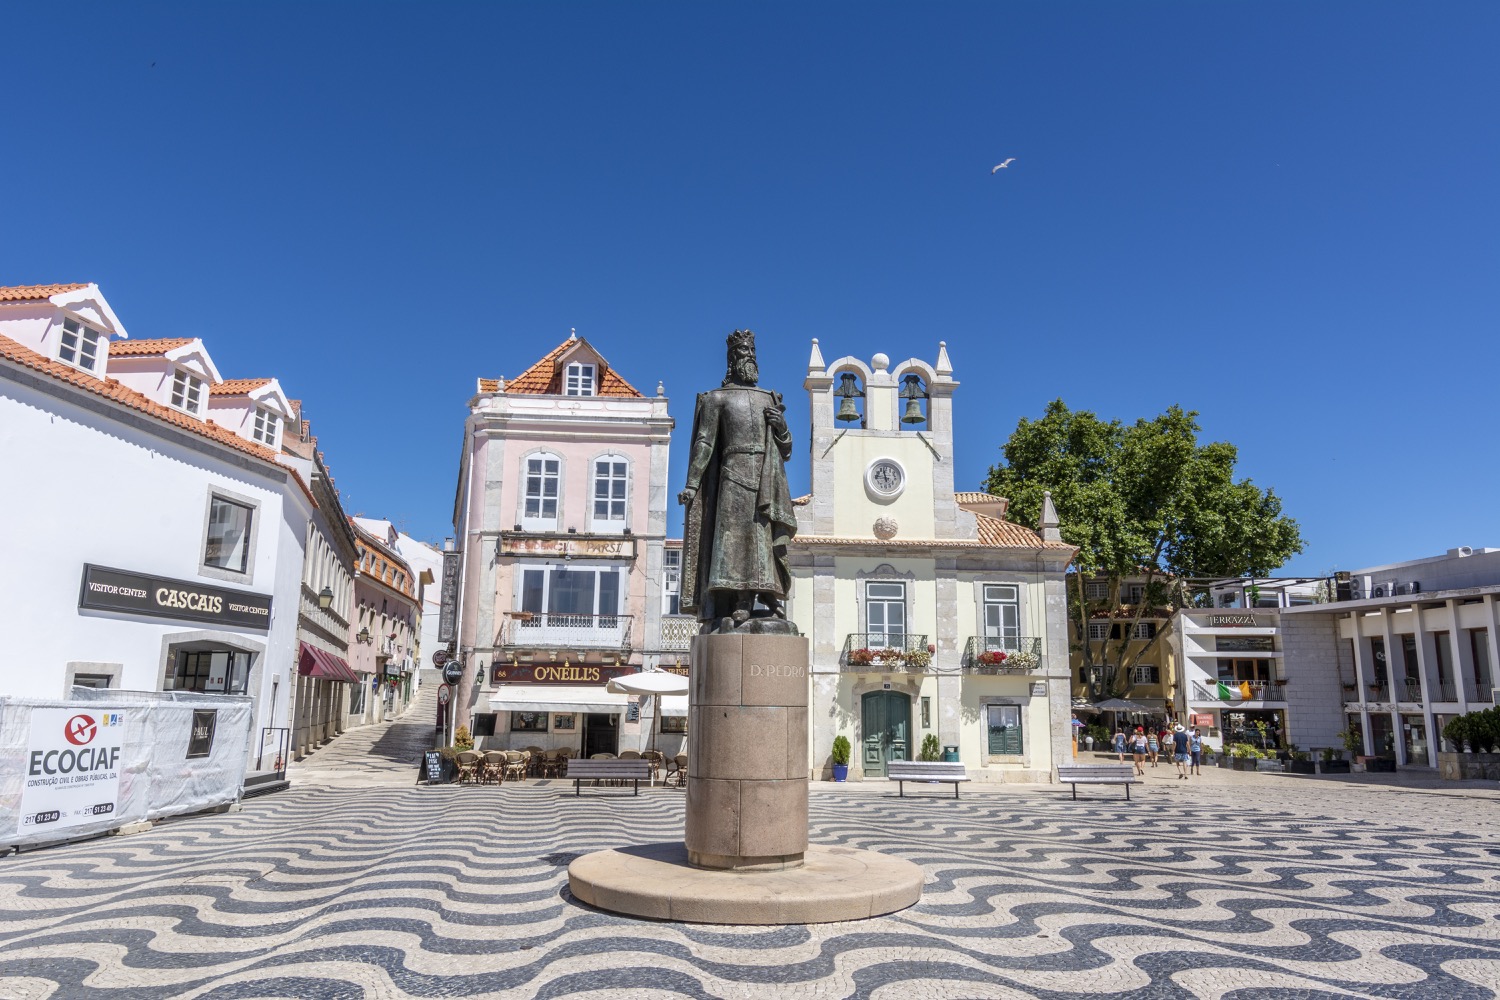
(902,771)
(613,770)
(1097,774)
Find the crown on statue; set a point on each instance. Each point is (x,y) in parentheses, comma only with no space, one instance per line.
(741,342)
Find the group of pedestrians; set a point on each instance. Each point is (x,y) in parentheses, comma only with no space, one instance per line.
(1184,745)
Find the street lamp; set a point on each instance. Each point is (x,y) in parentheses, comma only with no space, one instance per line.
(325,598)
(364,636)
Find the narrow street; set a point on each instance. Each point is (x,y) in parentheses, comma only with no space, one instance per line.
(386,753)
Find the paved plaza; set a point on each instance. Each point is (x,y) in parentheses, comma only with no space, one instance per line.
(357,884)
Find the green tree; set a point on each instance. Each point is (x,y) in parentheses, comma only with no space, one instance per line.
(1143,501)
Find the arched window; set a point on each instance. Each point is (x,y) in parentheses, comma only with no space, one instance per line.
(543,491)
(609,493)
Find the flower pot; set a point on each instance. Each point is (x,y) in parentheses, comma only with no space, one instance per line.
(1334,767)
(841,772)
(1301,767)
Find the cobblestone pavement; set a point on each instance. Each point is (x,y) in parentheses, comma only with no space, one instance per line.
(381,752)
(357,884)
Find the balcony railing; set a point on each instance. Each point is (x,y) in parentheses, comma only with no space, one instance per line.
(677,631)
(884,651)
(1447,692)
(1410,691)
(543,629)
(1009,654)
(1482,692)
(1258,692)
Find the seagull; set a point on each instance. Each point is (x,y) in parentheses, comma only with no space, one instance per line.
(1001,166)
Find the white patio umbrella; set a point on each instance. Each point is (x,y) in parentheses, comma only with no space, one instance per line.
(651,682)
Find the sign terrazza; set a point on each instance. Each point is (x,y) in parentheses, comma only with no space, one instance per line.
(574,546)
(105,589)
(1231,621)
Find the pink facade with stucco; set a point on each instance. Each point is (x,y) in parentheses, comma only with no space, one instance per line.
(561,520)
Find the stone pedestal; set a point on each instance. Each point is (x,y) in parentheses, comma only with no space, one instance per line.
(747,752)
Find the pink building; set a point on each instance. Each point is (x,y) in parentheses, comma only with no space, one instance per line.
(561,520)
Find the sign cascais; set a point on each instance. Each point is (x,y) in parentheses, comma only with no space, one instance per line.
(105,589)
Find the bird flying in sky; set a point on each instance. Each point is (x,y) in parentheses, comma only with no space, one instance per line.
(1001,166)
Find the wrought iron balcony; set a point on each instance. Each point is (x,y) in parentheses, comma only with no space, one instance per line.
(1002,654)
(1258,692)
(1447,692)
(527,630)
(875,652)
(677,631)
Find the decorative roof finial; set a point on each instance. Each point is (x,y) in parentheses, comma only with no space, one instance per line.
(1048,522)
(661,390)
(572,333)
(944,366)
(815,364)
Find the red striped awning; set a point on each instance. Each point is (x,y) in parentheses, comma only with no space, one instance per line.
(315,662)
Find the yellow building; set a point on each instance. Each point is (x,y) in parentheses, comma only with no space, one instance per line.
(928,612)
(1149,679)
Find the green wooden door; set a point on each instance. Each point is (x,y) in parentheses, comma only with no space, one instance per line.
(886,727)
(1005,736)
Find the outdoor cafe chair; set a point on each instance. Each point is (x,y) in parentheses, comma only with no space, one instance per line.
(515,764)
(657,760)
(493,768)
(681,770)
(468,766)
(602,756)
(630,755)
(552,764)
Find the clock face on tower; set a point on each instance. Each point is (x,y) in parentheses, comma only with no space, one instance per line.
(885,477)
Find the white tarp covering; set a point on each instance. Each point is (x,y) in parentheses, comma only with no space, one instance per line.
(674,705)
(650,682)
(557,698)
(104,759)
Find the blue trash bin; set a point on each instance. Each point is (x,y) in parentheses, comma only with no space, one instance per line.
(950,753)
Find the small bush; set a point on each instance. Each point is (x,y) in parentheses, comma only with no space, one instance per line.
(930,748)
(462,740)
(841,750)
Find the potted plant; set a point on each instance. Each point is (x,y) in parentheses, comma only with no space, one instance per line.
(1023,659)
(990,660)
(888,655)
(840,758)
(1332,763)
(1301,763)
(930,749)
(917,658)
(861,657)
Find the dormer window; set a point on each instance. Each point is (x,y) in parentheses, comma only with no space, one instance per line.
(80,345)
(579,380)
(187,391)
(265,427)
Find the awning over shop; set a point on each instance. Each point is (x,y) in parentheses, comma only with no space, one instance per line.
(557,698)
(315,662)
(674,704)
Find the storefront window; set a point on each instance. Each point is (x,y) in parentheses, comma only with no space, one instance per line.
(674,724)
(212,671)
(528,722)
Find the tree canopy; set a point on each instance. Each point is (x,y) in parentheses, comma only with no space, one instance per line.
(1142,500)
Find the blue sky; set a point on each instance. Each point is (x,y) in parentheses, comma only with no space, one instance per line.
(1282,215)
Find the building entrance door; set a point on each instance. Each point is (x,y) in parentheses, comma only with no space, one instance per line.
(886,725)
(601,733)
(1414,739)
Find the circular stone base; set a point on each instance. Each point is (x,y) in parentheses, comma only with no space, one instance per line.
(833,883)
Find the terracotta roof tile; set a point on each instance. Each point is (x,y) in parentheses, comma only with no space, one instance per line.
(802,501)
(488,385)
(993,533)
(541,379)
(34,293)
(237,386)
(144,348)
(110,389)
(978,498)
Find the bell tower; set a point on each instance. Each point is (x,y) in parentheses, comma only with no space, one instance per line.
(882,447)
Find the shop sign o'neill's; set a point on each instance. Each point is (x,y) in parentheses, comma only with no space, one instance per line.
(119,590)
(559,673)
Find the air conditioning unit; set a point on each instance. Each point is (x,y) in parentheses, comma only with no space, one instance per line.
(1356,590)
(1379,590)
(1400,588)
(1416,586)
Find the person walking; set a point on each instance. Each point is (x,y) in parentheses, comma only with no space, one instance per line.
(1195,750)
(1180,745)
(1138,750)
(1120,744)
(1153,746)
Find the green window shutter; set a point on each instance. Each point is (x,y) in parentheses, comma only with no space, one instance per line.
(1006,738)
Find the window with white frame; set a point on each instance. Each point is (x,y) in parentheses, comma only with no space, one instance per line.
(1002,617)
(578,380)
(885,614)
(1135,593)
(1145,630)
(610,479)
(228,542)
(187,390)
(1098,630)
(539,506)
(1096,590)
(565,597)
(265,427)
(79,345)
(671,582)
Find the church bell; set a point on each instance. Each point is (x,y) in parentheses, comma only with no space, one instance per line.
(911,391)
(847,389)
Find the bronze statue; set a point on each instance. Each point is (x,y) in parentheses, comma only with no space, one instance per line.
(739,511)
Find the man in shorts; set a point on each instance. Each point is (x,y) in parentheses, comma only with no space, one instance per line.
(1195,750)
(1180,744)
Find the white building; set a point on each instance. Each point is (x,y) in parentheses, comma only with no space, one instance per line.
(426,562)
(155,539)
(1410,646)
(929,613)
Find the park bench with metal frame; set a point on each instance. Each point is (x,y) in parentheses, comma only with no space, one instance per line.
(902,771)
(1097,774)
(609,770)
